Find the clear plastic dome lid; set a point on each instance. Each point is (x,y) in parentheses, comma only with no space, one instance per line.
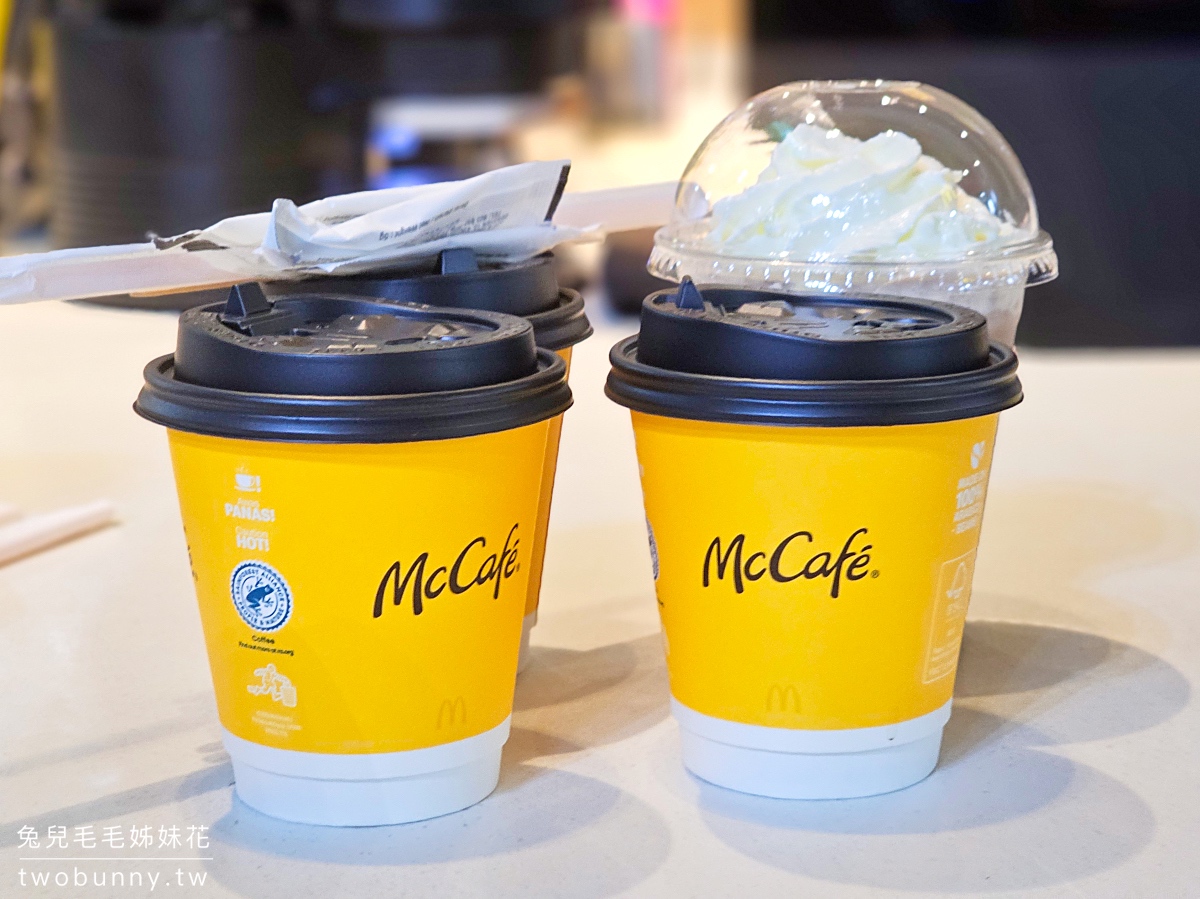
(840,186)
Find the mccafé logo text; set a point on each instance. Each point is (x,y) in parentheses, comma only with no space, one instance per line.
(473,567)
(792,558)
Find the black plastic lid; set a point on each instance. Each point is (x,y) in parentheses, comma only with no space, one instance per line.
(755,334)
(345,346)
(456,280)
(563,326)
(721,354)
(343,369)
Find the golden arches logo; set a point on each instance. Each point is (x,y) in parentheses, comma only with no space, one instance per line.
(452,711)
(783,698)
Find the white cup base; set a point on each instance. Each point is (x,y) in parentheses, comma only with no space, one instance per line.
(527,628)
(808,764)
(370,789)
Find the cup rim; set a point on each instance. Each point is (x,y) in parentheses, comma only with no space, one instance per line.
(395,418)
(900,401)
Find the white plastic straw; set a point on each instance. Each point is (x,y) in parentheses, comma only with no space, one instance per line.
(226,253)
(38,532)
(618,208)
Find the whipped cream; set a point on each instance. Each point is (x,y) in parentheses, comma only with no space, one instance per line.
(826,196)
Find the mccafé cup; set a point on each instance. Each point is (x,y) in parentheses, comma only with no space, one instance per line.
(359,485)
(528,289)
(814,472)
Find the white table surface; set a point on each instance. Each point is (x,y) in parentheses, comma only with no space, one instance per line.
(1069,766)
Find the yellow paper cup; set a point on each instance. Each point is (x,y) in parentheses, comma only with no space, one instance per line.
(361,560)
(542,528)
(528,289)
(812,568)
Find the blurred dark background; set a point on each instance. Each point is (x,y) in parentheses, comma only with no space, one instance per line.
(1101,101)
(169,113)
(127,117)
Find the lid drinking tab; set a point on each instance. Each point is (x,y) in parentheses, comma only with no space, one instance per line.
(738,333)
(688,297)
(322,345)
(245,300)
(249,311)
